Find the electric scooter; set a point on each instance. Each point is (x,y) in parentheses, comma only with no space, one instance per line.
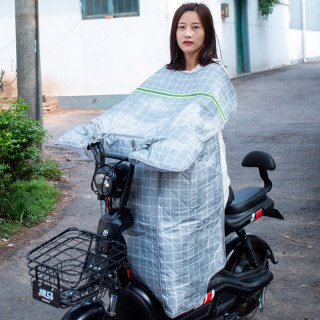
(77,268)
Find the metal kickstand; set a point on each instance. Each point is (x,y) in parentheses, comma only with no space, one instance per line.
(231,316)
(261,302)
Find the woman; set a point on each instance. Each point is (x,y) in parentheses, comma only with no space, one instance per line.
(193,42)
(192,39)
(170,128)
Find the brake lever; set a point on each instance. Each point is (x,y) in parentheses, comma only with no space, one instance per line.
(93,148)
(97,150)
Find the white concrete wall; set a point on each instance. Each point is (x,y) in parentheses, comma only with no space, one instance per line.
(8,46)
(295,45)
(100,56)
(304,45)
(114,56)
(268,38)
(312,44)
(226,31)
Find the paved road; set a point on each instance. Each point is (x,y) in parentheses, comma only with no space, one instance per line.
(279,112)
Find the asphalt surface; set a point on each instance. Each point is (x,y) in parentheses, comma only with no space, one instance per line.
(279,112)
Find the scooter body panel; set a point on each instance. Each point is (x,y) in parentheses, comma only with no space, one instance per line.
(87,311)
(137,303)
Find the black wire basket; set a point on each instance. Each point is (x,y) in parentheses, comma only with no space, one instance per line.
(73,267)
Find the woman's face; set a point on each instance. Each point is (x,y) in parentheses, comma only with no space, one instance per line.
(190,34)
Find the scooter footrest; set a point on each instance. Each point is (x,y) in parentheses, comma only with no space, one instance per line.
(243,283)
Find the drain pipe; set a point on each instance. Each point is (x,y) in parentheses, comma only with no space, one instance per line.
(303,16)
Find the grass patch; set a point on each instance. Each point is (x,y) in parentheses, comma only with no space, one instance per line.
(26,203)
(25,195)
(8,227)
(50,170)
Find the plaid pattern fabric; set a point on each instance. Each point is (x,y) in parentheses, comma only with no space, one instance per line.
(169,128)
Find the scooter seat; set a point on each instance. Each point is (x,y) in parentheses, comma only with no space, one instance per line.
(245,198)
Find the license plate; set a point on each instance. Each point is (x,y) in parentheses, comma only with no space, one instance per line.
(46,294)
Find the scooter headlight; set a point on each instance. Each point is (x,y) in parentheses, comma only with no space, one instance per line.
(103,183)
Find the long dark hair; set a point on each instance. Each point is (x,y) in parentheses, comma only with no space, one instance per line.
(209,50)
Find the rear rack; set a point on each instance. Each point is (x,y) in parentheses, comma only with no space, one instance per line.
(74,267)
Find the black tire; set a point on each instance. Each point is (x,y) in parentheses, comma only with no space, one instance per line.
(238,263)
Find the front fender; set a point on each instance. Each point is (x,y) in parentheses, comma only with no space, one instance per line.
(234,242)
(87,311)
(137,302)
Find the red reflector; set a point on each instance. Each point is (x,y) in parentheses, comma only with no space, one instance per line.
(258,214)
(128,273)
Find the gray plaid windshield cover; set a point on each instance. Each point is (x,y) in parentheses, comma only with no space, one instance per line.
(169,128)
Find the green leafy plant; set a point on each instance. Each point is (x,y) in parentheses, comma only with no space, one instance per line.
(26,203)
(20,137)
(50,170)
(25,196)
(266,7)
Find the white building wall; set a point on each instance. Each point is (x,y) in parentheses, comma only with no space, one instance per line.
(101,59)
(100,56)
(295,45)
(268,38)
(312,40)
(226,32)
(303,39)
(8,45)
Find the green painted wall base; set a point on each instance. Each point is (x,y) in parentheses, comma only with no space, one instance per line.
(90,102)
